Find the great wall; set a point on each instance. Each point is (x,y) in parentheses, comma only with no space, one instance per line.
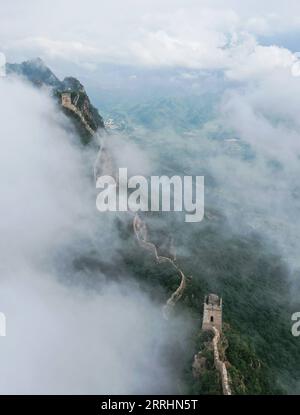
(141,233)
(220,366)
(212,314)
(66,102)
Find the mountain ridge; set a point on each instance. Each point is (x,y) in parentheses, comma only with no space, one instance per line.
(85,116)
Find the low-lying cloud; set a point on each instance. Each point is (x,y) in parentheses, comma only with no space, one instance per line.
(64,337)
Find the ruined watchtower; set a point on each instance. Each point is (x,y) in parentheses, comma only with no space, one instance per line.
(212,312)
(66,100)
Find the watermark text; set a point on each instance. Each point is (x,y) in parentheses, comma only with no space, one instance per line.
(296,325)
(159,193)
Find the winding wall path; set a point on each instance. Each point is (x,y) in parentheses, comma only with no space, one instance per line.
(220,366)
(141,233)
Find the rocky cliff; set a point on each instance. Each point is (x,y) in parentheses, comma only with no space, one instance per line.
(82,113)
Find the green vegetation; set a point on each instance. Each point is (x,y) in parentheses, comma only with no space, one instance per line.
(264,357)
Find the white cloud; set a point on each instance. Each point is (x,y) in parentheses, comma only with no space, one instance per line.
(57,49)
(63,337)
(264,115)
(256,61)
(172,33)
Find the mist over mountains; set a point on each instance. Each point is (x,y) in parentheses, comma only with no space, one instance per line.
(77,322)
(71,264)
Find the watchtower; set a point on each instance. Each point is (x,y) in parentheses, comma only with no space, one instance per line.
(66,100)
(212,312)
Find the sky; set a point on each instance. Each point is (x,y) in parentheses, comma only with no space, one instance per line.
(228,35)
